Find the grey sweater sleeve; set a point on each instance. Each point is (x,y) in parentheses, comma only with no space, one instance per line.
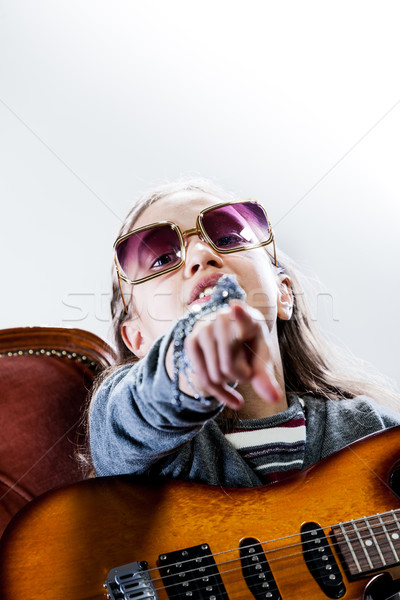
(333,424)
(133,423)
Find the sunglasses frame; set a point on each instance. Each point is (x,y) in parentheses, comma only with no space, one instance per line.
(198,230)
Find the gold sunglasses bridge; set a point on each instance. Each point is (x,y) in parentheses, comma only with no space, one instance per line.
(193,231)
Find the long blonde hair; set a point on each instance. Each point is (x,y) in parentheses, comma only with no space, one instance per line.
(311,364)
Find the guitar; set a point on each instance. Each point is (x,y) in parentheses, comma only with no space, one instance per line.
(333,531)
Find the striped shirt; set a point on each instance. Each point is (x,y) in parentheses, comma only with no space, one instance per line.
(273,447)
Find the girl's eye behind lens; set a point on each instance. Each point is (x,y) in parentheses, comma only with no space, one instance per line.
(230,240)
(167,259)
(158,250)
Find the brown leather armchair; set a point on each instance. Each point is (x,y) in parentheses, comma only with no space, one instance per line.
(45,376)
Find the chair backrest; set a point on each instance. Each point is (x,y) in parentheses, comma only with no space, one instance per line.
(45,376)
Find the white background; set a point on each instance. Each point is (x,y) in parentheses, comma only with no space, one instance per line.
(294,103)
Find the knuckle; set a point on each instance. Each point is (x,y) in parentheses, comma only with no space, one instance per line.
(226,366)
(215,378)
(203,334)
(204,380)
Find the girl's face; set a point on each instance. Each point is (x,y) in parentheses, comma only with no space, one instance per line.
(162,300)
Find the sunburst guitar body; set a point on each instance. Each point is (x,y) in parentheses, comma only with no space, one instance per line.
(333,531)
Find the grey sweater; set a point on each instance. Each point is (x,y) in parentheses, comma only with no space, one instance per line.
(134,427)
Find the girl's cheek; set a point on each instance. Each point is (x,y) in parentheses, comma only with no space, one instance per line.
(163,309)
(265,303)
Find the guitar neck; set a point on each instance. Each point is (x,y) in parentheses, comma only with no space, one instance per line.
(369,544)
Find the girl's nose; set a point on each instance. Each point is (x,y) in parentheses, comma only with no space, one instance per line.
(199,255)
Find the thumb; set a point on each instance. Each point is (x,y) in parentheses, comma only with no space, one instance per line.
(264,381)
(266,386)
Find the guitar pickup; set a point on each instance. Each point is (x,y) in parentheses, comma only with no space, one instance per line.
(320,560)
(193,573)
(256,571)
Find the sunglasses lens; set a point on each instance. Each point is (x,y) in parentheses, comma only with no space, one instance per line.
(237,225)
(149,252)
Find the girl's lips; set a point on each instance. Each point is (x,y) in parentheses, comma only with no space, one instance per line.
(201,285)
(202,300)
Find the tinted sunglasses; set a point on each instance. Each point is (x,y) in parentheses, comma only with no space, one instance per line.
(159,248)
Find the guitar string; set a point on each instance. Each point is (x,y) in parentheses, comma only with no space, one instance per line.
(216,566)
(204,584)
(325,528)
(281,548)
(270,581)
(214,584)
(242,568)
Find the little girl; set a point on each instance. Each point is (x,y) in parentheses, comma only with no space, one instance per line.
(221,376)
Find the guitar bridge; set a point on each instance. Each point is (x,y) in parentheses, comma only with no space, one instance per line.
(130,581)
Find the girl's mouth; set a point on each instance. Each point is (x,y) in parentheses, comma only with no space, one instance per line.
(203,289)
(202,298)
(206,292)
